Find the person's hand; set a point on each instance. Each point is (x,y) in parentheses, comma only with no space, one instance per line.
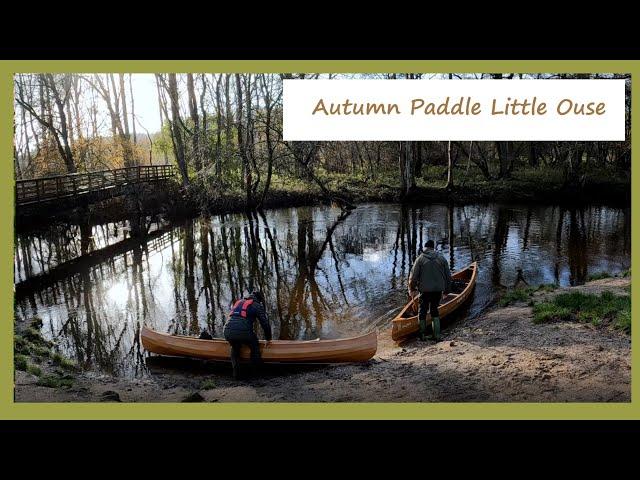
(267,343)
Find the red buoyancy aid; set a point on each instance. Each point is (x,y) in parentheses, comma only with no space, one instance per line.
(240,307)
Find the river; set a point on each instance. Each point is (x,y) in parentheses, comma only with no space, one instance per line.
(324,274)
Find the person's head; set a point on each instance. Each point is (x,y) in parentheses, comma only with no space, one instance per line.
(429,244)
(258,295)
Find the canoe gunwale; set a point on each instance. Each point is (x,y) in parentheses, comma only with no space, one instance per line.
(343,350)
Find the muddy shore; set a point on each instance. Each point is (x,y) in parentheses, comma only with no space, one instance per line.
(500,356)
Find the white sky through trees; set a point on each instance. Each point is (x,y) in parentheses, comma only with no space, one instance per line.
(145,96)
(146,105)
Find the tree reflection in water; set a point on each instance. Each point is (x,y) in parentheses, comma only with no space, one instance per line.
(324,273)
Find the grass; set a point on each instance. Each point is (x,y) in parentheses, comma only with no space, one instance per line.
(521,295)
(31,346)
(548,311)
(34,370)
(54,381)
(33,336)
(20,362)
(595,309)
(516,295)
(63,362)
(208,385)
(20,345)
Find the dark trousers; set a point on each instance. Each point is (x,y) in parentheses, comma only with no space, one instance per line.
(239,338)
(429,302)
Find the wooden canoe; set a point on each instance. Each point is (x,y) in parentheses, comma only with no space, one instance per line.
(342,350)
(406,322)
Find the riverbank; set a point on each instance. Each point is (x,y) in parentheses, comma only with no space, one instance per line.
(503,355)
(545,186)
(542,186)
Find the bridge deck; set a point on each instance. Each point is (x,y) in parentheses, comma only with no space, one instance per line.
(36,191)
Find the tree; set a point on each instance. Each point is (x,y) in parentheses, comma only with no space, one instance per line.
(193,111)
(406,158)
(56,88)
(114,100)
(449,167)
(176,125)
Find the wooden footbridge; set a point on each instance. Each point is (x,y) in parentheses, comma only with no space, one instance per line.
(75,189)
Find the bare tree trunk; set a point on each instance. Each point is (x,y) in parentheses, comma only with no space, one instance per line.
(176,129)
(505,156)
(161,109)
(449,167)
(228,115)
(133,111)
(193,111)
(218,167)
(271,146)
(407,174)
(113,106)
(246,167)
(129,161)
(204,137)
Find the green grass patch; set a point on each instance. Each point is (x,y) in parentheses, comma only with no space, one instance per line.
(40,351)
(208,385)
(548,311)
(21,345)
(523,295)
(516,295)
(20,362)
(34,370)
(623,322)
(54,381)
(594,309)
(63,362)
(33,336)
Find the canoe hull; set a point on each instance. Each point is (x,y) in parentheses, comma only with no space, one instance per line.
(344,350)
(406,323)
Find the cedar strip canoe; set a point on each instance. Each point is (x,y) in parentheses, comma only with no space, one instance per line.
(342,350)
(406,322)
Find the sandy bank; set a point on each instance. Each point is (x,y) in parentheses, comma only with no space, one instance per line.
(500,356)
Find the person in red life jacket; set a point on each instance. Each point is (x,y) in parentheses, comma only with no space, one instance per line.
(239,329)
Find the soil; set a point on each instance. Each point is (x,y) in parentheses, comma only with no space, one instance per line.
(500,356)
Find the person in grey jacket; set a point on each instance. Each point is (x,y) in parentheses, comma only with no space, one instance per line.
(430,276)
(239,330)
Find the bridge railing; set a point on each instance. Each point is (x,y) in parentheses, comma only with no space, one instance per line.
(63,186)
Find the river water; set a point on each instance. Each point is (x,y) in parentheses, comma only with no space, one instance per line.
(324,274)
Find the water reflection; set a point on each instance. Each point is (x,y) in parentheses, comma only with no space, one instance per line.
(324,273)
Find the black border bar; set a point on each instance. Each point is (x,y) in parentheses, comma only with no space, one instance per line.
(425,52)
(291,427)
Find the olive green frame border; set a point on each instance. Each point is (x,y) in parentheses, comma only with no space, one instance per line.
(11,410)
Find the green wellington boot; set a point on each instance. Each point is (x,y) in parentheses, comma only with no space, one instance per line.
(423,329)
(435,326)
